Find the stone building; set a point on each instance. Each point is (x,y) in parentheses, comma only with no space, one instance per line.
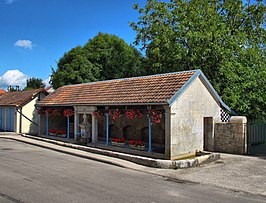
(171,114)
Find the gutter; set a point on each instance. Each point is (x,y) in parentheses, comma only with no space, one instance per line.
(112,104)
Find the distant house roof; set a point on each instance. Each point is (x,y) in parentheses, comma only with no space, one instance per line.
(2,91)
(50,89)
(19,98)
(145,90)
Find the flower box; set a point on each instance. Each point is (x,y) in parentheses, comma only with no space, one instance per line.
(52,134)
(118,144)
(142,148)
(61,135)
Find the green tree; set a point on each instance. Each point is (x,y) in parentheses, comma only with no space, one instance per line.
(13,88)
(114,56)
(74,68)
(226,39)
(34,83)
(103,57)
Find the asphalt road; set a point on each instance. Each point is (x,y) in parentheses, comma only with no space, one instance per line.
(33,174)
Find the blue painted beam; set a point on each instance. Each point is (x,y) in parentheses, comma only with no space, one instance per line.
(150,124)
(107,128)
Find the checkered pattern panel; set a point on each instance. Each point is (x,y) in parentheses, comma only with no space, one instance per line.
(225,117)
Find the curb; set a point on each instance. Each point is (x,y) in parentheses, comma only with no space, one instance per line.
(145,161)
(65,151)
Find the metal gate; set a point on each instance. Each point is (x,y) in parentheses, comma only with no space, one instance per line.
(2,119)
(257,137)
(10,119)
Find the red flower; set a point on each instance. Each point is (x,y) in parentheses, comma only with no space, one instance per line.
(136,143)
(98,114)
(132,113)
(49,111)
(115,114)
(68,112)
(156,116)
(52,131)
(57,131)
(60,132)
(41,111)
(118,140)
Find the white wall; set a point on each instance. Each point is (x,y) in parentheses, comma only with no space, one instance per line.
(187,115)
(30,112)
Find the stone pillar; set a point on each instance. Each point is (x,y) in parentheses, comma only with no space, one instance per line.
(76,124)
(39,124)
(94,129)
(167,132)
(241,125)
(46,124)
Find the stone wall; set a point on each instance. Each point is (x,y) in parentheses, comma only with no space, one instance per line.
(187,119)
(231,137)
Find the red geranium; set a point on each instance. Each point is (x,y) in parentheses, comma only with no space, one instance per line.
(156,116)
(98,114)
(68,112)
(115,114)
(41,110)
(49,111)
(132,113)
(118,140)
(59,132)
(136,143)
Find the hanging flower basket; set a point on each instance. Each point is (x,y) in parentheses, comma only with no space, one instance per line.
(115,114)
(98,114)
(133,113)
(57,112)
(156,116)
(41,110)
(68,112)
(50,112)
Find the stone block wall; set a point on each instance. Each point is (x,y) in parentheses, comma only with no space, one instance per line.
(187,119)
(231,137)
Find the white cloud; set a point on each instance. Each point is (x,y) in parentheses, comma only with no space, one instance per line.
(46,81)
(14,78)
(27,44)
(9,1)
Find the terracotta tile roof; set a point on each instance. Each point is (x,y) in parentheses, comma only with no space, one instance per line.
(18,98)
(139,90)
(2,91)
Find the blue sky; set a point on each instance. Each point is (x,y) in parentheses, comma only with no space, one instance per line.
(36,33)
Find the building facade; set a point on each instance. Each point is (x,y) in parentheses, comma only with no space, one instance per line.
(164,116)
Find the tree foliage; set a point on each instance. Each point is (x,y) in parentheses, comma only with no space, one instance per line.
(74,68)
(34,83)
(103,57)
(225,39)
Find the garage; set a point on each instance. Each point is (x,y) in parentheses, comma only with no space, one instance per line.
(17,111)
(2,118)
(10,122)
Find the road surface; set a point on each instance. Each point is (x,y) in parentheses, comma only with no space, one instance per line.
(33,174)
